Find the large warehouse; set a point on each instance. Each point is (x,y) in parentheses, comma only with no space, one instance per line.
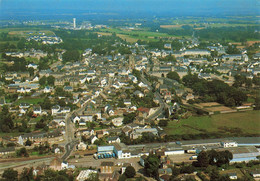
(241,154)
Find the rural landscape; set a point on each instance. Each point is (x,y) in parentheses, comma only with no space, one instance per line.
(126,90)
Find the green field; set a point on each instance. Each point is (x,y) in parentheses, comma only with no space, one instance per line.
(29,100)
(142,34)
(244,122)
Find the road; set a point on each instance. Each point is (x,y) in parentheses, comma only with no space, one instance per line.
(24,163)
(70,140)
(159,111)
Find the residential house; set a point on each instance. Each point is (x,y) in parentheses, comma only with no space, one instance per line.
(232,176)
(138,132)
(68,89)
(75,118)
(93,138)
(47,89)
(113,139)
(138,94)
(64,165)
(24,105)
(255,173)
(6,151)
(118,121)
(126,130)
(37,109)
(82,146)
(107,167)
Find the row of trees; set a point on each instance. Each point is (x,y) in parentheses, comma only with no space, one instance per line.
(215,90)
(212,157)
(27,175)
(47,81)
(6,121)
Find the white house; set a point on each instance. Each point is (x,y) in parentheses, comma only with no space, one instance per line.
(232,176)
(82,123)
(37,110)
(82,146)
(62,124)
(227,144)
(75,118)
(47,89)
(93,138)
(23,111)
(32,65)
(86,118)
(35,79)
(113,139)
(57,151)
(255,173)
(64,165)
(55,109)
(118,121)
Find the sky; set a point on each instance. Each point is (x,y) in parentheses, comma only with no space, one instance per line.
(47,8)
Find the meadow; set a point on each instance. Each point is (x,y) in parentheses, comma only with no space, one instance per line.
(244,123)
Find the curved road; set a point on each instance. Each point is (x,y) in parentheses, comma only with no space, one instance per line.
(159,111)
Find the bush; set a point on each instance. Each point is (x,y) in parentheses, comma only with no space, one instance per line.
(130,172)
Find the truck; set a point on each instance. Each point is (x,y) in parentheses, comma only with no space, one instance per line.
(194,157)
(191,151)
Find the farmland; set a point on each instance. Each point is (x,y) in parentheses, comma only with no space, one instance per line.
(134,35)
(244,123)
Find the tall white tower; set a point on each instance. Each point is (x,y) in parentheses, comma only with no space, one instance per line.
(74,23)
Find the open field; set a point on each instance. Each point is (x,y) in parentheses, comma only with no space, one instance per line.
(199,26)
(243,122)
(170,26)
(29,100)
(27,33)
(134,35)
(213,107)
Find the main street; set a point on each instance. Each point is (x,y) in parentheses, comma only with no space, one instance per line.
(159,111)
(70,140)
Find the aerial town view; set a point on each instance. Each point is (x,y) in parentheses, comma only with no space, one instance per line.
(129,90)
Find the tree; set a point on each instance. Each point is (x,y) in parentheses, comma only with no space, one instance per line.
(151,166)
(163,123)
(71,56)
(50,80)
(122,178)
(28,142)
(257,103)
(93,177)
(175,172)
(22,152)
(256,80)
(10,175)
(203,159)
(42,81)
(130,172)
(214,175)
(31,71)
(174,76)
(129,118)
(27,174)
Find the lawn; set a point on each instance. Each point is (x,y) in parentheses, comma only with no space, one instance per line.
(29,100)
(247,122)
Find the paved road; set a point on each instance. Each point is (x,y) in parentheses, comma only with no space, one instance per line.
(159,111)
(70,140)
(26,163)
